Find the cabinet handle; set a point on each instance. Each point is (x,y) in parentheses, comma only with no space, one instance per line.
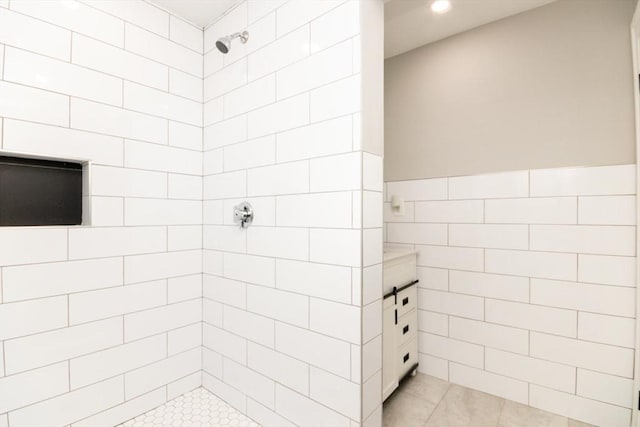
(405,358)
(405,301)
(405,329)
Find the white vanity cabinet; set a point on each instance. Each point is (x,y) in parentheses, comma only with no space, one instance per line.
(400,319)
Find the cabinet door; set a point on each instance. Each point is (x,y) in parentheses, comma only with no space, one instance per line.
(389,348)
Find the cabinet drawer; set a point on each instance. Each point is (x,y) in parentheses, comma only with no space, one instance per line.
(407,357)
(407,300)
(407,327)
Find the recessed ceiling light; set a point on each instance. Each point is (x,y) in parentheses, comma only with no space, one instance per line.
(440,6)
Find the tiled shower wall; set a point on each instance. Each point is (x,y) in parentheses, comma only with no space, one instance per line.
(283,303)
(103,321)
(527,284)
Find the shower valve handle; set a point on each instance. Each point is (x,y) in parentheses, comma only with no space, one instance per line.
(243,214)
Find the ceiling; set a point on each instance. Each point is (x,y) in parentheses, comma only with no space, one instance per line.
(199,12)
(411,23)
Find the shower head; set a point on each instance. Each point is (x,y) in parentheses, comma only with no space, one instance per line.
(224,43)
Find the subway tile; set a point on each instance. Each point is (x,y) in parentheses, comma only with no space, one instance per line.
(592,181)
(304,411)
(320,280)
(265,416)
(162,50)
(258,8)
(540,210)
(433,278)
(433,323)
(316,70)
(372,172)
(185,85)
(121,182)
(422,189)
(76,17)
(315,140)
(339,24)
(251,383)
(489,236)
(532,317)
(212,362)
(101,304)
(225,80)
(213,61)
(184,385)
(32,34)
(433,366)
(372,246)
(20,390)
(58,278)
(30,352)
(497,385)
(233,397)
(416,233)
(449,303)
(249,97)
(583,354)
(333,246)
(265,205)
(162,212)
(282,368)
(471,259)
(185,338)
(372,215)
(391,215)
(225,185)
(252,269)
(489,335)
(225,343)
(31,317)
(532,370)
(605,388)
(185,187)
(186,34)
(451,349)
(263,31)
(184,237)
(235,17)
(288,178)
(184,288)
(490,186)
(293,14)
(32,245)
(606,329)
(113,241)
(91,116)
(108,59)
(464,211)
(226,291)
(147,378)
(335,392)
(213,111)
(607,270)
(142,14)
(27,103)
(125,411)
(147,267)
(71,407)
(512,288)
(279,305)
(336,173)
(605,240)
(316,349)
(336,320)
(607,210)
(277,55)
(212,262)
(159,103)
(281,242)
(251,326)
(98,366)
(161,319)
(336,99)
(533,264)
(262,153)
(225,238)
(331,210)
(107,212)
(577,407)
(213,161)
(613,300)
(61,142)
(278,117)
(225,133)
(54,75)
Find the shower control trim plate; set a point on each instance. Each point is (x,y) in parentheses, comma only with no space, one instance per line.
(243,214)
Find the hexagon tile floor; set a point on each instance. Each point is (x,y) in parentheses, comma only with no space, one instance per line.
(198,408)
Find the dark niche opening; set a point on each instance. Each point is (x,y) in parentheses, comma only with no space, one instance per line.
(40,192)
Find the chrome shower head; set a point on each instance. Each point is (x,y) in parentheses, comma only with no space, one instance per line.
(224,43)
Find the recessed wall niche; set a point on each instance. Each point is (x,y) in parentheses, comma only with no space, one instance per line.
(38,191)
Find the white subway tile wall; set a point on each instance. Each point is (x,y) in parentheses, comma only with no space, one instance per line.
(100,323)
(527,284)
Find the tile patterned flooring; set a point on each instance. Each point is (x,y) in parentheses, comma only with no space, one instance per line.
(425,401)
